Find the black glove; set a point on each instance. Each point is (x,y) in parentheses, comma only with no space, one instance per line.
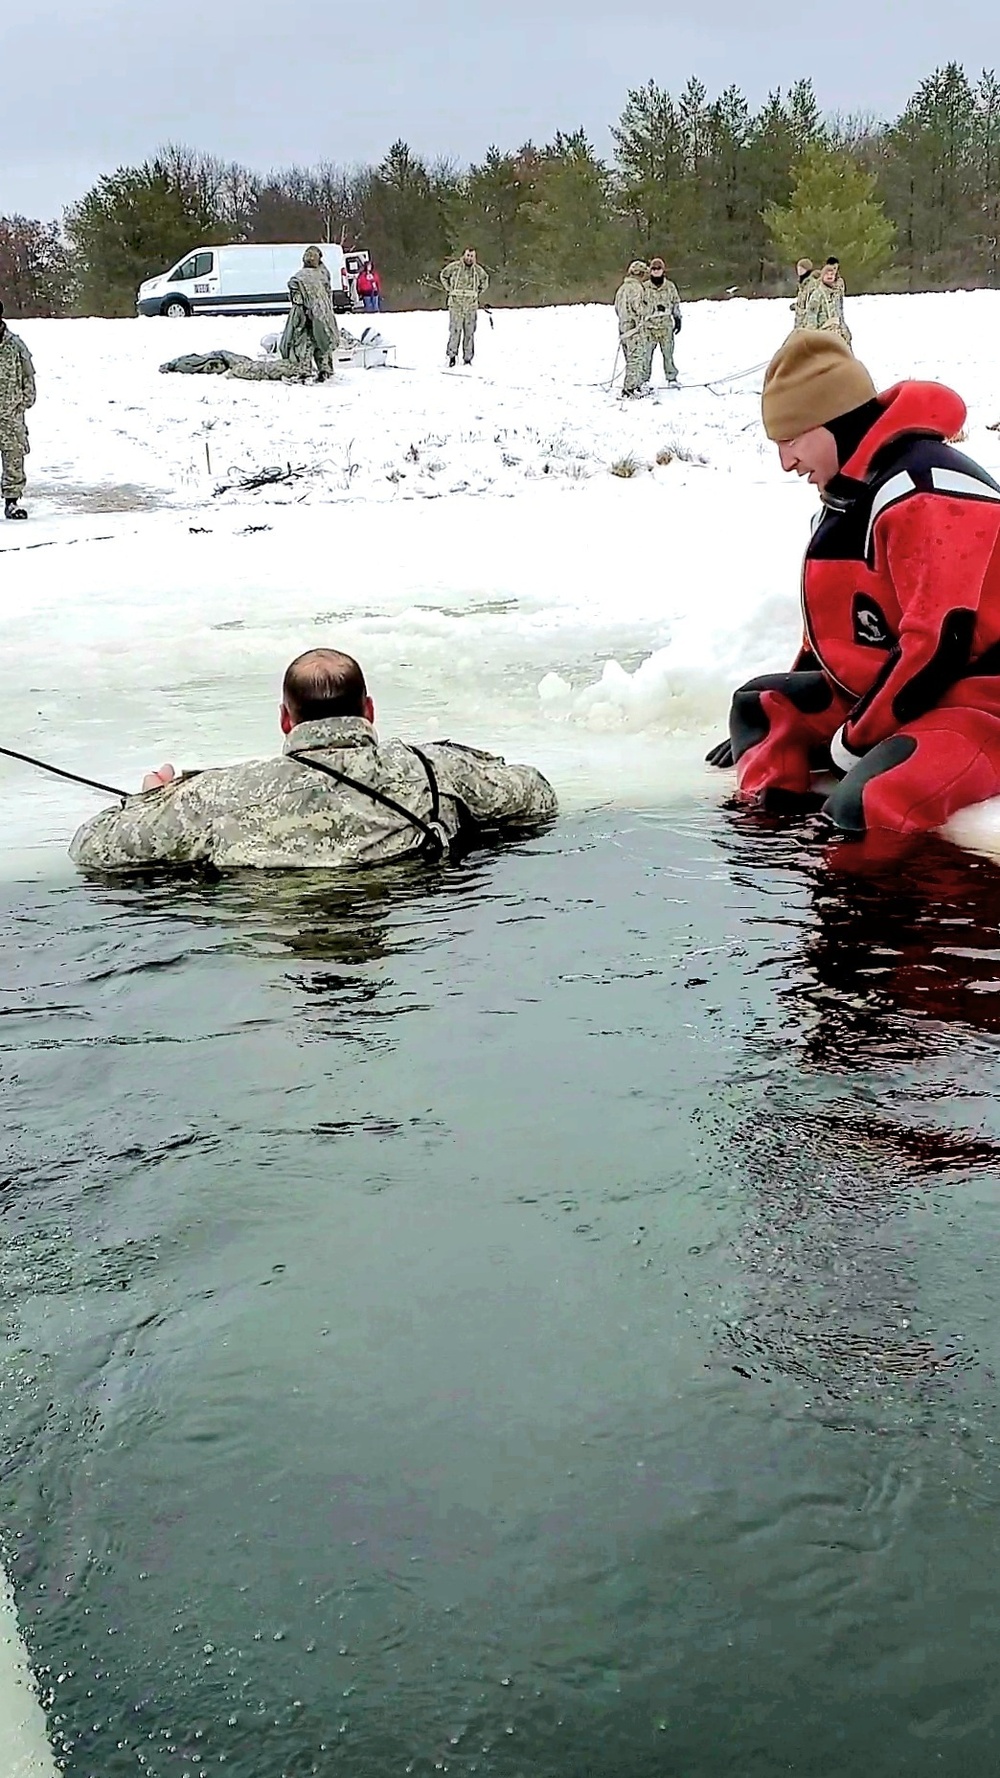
(677,324)
(721,754)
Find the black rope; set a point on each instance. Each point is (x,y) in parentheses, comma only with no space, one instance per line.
(435,838)
(59,772)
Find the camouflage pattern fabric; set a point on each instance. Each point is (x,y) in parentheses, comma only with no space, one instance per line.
(17,394)
(278,814)
(802,297)
(311,335)
(824,311)
(462,331)
(664,313)
(840,291)
(632,306)
(13,450)
(465,286)
(222,362)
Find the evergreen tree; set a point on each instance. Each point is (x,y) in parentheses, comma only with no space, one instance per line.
(492,210)
(578,241)
(832,209)
(132,224)
(929,185)
(986,155)
(649,145)
(404,205)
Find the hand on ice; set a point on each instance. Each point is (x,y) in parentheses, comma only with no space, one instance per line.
(156,780)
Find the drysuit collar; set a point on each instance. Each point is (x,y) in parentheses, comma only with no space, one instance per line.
(911,409)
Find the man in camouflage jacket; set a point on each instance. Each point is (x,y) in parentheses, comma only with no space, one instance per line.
(335,798)
(823,311)
(17,394)
(465,282)
(632,306)
(664,320)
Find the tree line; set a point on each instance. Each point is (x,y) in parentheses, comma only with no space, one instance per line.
(728,195)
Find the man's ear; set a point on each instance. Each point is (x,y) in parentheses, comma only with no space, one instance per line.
(368,710)
(287,724)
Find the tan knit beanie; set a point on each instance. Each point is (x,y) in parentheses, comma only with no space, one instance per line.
(812,378)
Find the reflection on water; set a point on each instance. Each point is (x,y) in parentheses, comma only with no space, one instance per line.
(534,1317)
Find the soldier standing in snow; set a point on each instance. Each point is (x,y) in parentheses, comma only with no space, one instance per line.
(823,311)
(311,335)
(464,282)
(632,306)
(806,274)
(17,394)
(664,320)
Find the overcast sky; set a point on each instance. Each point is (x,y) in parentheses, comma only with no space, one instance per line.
(87,85)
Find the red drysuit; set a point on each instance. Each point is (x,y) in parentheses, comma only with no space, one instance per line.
(898,681)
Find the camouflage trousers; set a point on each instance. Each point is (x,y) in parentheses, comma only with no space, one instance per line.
(462,330)
(638,351)
(664,338)
(13,450)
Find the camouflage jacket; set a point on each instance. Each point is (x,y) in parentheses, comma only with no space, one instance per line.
(823,310)
(277,814)
(465,284)
(17,375)
(632,305)
(802,297)
(664,306)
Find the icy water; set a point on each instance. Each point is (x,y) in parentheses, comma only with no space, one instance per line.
(531,1321)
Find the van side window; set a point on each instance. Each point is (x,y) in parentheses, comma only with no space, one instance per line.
(198,266)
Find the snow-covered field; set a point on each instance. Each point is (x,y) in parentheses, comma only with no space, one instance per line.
(461,532)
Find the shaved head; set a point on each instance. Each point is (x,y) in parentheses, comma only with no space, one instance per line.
(323,682)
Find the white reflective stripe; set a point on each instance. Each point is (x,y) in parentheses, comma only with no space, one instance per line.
(896,488)
(955,481)
(841,754)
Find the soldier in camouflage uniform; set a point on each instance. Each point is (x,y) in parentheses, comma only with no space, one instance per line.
(335,798)
(311,335)
(824,306)
(664,320)
(806,274)
(17,394)
(465,283)
(632,305)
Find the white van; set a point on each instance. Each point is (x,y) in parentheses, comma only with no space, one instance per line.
(249,280)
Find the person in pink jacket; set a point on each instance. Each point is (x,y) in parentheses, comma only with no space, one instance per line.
(370,287)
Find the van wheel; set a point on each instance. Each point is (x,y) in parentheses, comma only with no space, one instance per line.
(175,306)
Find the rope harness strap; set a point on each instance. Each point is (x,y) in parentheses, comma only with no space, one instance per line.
(436,842)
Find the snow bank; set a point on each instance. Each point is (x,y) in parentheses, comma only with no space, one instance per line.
(462,533)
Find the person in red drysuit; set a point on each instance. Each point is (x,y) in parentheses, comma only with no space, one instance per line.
(897,685)
(370,286)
